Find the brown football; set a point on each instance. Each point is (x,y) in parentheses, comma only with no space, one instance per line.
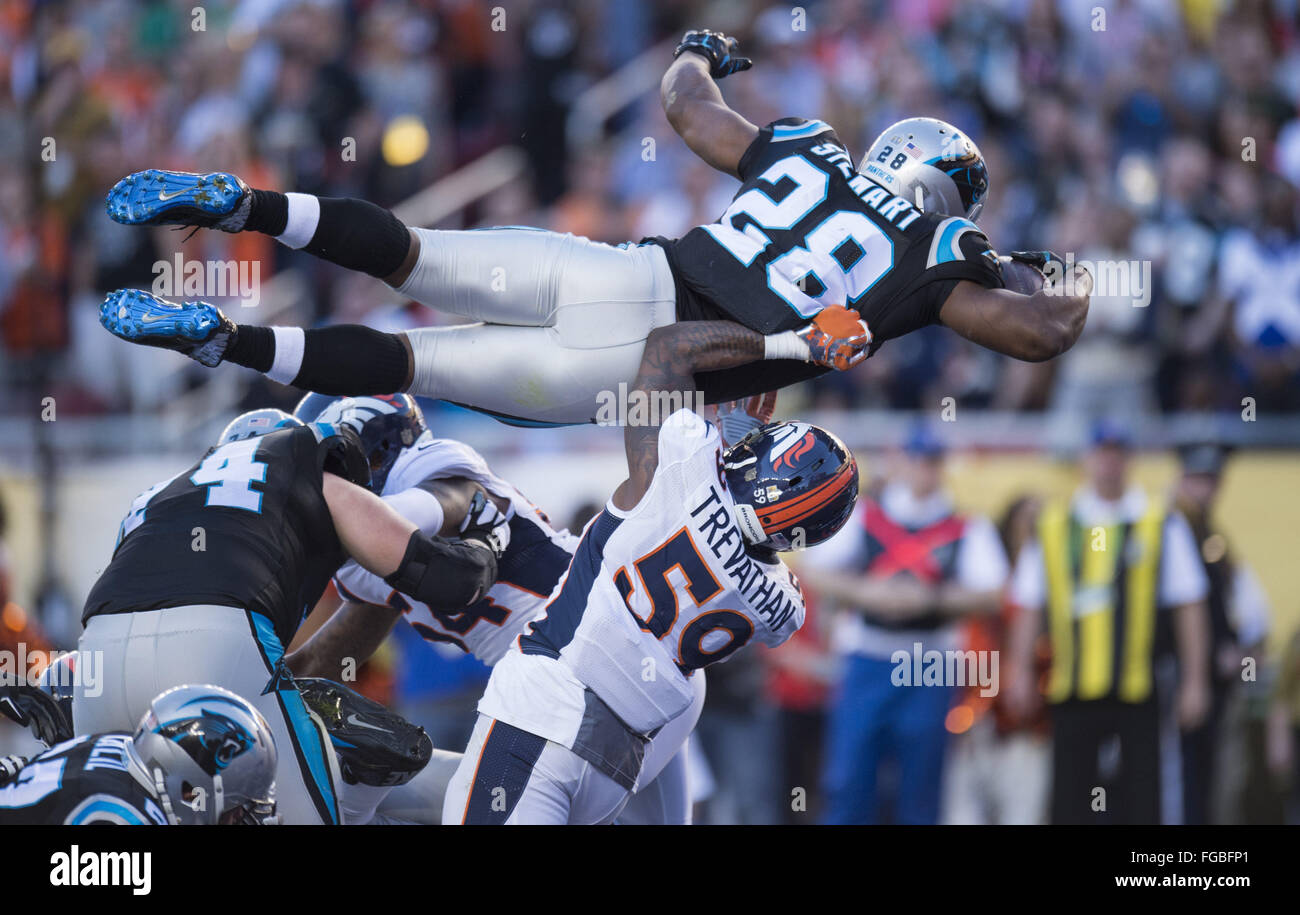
(1020,277)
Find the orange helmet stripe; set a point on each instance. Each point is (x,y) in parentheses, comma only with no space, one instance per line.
(809,502)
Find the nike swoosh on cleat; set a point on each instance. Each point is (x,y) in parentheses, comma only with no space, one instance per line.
(163,195)
(357,722)
(150,319)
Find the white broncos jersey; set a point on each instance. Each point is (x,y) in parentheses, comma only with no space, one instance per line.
(653,594)
(532,565)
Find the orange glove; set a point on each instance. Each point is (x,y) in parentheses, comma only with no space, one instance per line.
(837,338)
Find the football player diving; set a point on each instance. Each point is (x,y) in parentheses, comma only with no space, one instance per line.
(215,568)
(559,319)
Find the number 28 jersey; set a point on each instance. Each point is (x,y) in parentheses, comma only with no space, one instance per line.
(806,230)
(652,594)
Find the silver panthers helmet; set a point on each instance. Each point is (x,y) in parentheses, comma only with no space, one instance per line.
(210,755)
(929,163)
(255,423)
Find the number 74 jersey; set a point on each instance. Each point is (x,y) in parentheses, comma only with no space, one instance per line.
(652,595)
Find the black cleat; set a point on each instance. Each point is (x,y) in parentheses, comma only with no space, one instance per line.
(374,746)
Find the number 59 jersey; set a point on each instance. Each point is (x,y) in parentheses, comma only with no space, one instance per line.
(806,230)
(656,593)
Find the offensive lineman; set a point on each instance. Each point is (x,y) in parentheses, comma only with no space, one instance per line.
(679,571)
(200,755)
(215,567)
(566,318)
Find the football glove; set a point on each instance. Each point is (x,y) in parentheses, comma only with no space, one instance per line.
(1045,262)
(486,523)
(718,49)
(31,707)
(837,338)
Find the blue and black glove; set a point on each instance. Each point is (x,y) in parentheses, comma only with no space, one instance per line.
(720,51)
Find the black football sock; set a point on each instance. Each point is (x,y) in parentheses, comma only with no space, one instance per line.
(352,233)
(346,359)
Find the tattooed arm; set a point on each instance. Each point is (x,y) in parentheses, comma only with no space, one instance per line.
(836,338)
(672,356)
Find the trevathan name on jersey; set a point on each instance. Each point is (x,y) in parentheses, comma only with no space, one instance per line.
(638,612)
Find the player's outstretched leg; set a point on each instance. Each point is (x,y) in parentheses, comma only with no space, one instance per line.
(345,359)
(354,234)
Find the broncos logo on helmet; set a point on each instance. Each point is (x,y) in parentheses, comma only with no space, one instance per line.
(211,739)
(386,424)
(794,485)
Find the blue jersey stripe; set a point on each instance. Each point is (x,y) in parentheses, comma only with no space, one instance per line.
(563,614)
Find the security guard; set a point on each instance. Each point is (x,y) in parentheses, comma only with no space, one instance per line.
(1114,577)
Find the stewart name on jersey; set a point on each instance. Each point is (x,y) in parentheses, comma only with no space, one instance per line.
(806,230)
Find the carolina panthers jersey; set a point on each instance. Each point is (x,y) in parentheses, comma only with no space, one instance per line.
(534,561)
(89,780)
(652,595)
(247,526)
(806,230)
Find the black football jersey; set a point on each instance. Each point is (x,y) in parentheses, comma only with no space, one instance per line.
(245,527)
(89,780)
(805,231)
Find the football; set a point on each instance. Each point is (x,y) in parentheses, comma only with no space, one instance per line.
(1020,277)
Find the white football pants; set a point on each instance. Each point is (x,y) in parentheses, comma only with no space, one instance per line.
(564,319)
(511,777)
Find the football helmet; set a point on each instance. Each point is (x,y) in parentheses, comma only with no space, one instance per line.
(386,424)
(929,163)
(794,485)
(255,423)
(210,756)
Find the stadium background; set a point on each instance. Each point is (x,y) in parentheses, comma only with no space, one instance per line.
(1127,141)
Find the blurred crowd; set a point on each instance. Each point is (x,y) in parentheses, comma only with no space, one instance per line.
(1151,130)
(1156,131)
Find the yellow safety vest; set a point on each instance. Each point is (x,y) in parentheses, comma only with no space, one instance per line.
(1102,592)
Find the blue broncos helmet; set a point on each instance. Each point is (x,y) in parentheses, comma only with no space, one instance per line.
(210,755)
(794,485)
(386,424)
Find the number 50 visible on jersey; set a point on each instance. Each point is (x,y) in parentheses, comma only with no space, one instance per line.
(832,263)
(680,553)
(229,473)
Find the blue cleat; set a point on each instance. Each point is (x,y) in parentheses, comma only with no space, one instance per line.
(160,198)
(196,329)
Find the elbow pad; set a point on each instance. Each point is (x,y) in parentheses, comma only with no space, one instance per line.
(445,574)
